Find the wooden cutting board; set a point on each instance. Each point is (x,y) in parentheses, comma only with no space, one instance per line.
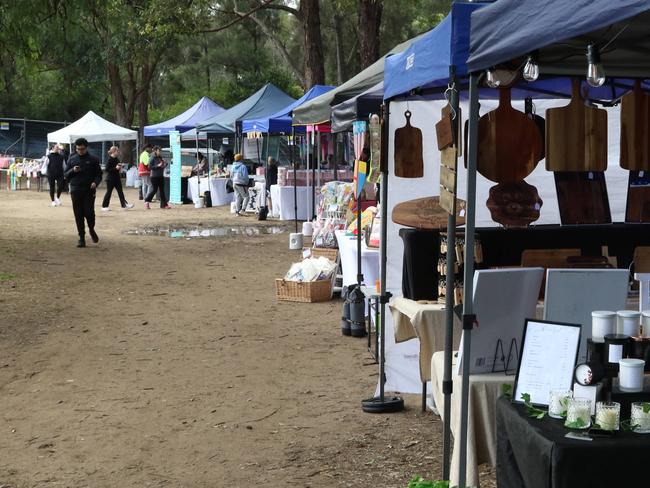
(576,136)
(635,130)
(509,143)
(426,213)
(514,204)
(408,150)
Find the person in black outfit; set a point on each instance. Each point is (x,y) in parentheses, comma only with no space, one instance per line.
(83,173)
(113,180)
(271,178)
(157,167)
(55,174)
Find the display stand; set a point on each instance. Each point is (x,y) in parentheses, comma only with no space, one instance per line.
(382,403)
(499,353)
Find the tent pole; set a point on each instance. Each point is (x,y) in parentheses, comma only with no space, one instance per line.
(447,382)
(382,404)
(469,318)
(295,189)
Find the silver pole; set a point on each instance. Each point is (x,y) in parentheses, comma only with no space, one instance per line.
(468,305)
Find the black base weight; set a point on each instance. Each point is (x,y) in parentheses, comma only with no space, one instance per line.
(389,404)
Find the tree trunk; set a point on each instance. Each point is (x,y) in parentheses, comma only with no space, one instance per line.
(314,63)
(338,40)
(369,23)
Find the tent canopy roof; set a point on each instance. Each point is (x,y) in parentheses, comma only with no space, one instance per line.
(561,31)
(281,120)
(318,110)
(197,113)
(357,108)
(265,101)
(93,128)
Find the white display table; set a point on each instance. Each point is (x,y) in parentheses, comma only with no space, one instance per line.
(348,254)
(216,186)
(282,199)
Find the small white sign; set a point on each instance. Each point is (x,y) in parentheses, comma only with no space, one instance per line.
(410,60)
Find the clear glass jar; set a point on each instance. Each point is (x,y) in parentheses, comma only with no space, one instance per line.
(578,414)
(640,420)
(608,415)
(558,403)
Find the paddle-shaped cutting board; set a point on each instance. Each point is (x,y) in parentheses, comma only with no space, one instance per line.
(509,143)
(408,150)
(635,130)
(426,213)
(576,136)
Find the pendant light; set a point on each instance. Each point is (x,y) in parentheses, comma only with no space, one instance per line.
(531,69)
(595,71)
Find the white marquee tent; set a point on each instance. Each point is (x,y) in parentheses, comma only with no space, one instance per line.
(93,128)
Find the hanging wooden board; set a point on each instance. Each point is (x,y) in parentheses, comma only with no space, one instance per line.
(514,204)
(448,178)
(408,150)
(576,136)
(635,130)
(426,213)
(509,143)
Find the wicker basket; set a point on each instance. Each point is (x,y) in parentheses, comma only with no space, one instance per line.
(303,291)
(326,252)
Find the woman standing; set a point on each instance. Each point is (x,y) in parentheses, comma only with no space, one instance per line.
(113,180)
(55,174)
(157,167)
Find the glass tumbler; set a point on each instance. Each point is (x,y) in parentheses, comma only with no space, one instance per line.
(558,403)
(578,414)
(608,415)
(640,420)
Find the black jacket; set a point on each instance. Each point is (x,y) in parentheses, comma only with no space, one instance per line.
(90,172)
(156,165)
(111,170)
(55,165)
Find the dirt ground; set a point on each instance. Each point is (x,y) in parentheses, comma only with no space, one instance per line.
(152,361)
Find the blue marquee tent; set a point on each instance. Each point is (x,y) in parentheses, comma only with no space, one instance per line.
(197,113)
(280,122)
(264,102)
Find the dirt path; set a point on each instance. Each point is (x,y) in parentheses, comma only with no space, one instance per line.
(152,361)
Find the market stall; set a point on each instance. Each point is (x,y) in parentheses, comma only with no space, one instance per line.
(202,110)
(93,128)
(216,187)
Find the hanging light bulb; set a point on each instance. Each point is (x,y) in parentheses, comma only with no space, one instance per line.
(531,69)
(491,79)
(595,71)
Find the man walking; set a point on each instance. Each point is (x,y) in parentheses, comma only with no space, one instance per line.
(83,174)
(144,172)
(55,174)
(239,176)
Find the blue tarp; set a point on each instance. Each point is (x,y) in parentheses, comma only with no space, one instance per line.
(197,113)
(426,61)
(264,102)
(280,122)
(512,28)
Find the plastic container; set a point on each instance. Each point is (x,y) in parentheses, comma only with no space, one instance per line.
(307,229)
(602,323)
(630,374)
(295,241)
(628,322)
(233,207)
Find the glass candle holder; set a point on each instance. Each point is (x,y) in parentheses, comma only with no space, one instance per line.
(640,420)
(558,403)
(578,415)
(608,415)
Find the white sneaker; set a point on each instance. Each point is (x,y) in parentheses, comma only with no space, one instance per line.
(53,204)
(128,206)
(106,209)
(57,201)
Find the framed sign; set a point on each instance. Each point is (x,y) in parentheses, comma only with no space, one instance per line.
(549,352)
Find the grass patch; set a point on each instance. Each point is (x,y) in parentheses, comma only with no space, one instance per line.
(7,276)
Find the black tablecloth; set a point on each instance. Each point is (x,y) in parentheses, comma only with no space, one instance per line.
(420,264)
(534,453)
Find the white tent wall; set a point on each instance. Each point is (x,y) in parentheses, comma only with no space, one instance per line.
(402,360)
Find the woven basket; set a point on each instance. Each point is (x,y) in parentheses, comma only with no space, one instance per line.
(326,252)
(303,291)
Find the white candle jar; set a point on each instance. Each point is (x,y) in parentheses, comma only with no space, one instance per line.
(602,323)
(640,418)
(558,403)
(608,415)
(578,414)
(630,374)
(629,322)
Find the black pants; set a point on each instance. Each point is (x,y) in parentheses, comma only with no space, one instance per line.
(58,181)
(113,182)
(83,205)
(157,183)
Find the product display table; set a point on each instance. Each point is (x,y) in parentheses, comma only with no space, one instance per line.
(484,391)
(535,453)
(216,186)
(348,254)
(282,199)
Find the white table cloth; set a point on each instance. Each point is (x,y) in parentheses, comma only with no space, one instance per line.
(216,186)
(348,255)
(283,202)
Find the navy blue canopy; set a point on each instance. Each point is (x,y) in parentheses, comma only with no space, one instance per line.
(264,102)
(280,122)
(561,30)
(197,113)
